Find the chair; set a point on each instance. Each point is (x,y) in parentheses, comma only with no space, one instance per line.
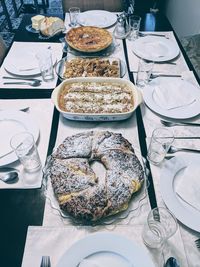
(3,50)
(84,5)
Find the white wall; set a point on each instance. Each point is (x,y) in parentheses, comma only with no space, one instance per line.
(184,15)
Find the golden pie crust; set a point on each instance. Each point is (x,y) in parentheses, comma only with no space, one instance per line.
(89,39)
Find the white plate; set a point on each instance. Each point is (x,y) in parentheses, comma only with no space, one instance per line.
(183,212)
(112,247)
(153,48)
(97,18)
(11,123)
(184,112)
(24,63)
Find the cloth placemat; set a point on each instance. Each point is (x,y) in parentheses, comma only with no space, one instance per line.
(54,241)
(162,67)
(43,117)
(56,49)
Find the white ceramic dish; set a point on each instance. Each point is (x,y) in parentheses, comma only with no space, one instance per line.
(11,123)
(106,249)
(184,112)
(137,96)
(97,18)
(155,48)
(184,213)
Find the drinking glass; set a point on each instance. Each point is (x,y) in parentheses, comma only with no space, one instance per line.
(134,25)
(160,143)
(160,225)
(45,64)
(144,72)
(25,148)
(74,15)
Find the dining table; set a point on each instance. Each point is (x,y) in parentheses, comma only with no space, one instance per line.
(31,223)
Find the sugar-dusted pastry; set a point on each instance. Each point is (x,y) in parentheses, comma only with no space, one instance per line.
(79,190)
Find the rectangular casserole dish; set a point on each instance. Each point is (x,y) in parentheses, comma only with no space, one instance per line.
(124,85)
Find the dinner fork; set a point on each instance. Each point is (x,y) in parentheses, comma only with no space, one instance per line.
(45,262)
(170,123)
(197,242)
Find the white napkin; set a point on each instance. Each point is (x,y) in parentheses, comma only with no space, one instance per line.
(188,186)
(30,48)
(172,94)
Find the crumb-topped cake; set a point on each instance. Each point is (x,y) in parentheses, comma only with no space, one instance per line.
(96,98)
(79,190)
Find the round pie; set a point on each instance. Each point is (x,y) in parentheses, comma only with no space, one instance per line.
(79,190)
(88,39)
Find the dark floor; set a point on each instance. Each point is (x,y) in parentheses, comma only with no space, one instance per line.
(55,7)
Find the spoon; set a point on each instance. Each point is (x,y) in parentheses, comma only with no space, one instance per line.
(9,177)
(21,78)
(34,83)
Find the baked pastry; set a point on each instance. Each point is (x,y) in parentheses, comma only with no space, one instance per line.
(36,21)
(96,98)
(88,39)
(91,67)
(51,25)
(79,190)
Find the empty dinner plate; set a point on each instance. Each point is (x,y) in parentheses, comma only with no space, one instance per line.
(172,172)
(21,59)
(97,18)
(155,48)
(11,123)
(105,249)
(172,97)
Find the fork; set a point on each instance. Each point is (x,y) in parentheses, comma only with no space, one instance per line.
(197,242)
(45,262)
(170,123)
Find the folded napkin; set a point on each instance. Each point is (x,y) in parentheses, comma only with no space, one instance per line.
(172,94)
(188,186)
(20,64)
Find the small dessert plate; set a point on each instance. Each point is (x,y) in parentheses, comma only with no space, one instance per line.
(29,28)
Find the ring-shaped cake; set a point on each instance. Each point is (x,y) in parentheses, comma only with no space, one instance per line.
(79,191)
